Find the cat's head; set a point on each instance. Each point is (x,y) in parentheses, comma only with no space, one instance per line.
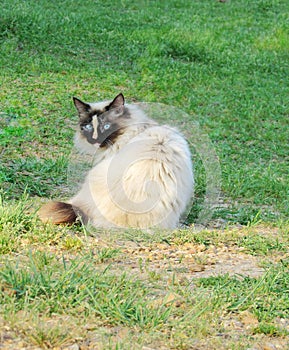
(102,123)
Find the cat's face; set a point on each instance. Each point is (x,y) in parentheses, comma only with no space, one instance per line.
(102,123)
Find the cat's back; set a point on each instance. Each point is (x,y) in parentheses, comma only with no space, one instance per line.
(163,144)
(151,178)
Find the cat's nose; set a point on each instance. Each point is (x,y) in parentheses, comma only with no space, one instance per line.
(94,135)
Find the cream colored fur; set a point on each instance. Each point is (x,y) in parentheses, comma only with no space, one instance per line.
(143,180)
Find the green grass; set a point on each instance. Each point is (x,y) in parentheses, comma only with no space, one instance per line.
(260,296)
(64,287)
(226,66)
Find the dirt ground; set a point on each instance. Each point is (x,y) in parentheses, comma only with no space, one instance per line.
(184,261)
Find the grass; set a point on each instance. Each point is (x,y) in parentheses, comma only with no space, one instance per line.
(225,66)
(226,72)
(261,299)
(64,287)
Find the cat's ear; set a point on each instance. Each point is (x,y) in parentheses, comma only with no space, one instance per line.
(118,102)
(82,107)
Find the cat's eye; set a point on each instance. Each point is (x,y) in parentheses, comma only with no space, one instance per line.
(106,126)
(87,127)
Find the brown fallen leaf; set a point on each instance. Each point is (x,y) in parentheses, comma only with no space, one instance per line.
(167,300)
(248,319)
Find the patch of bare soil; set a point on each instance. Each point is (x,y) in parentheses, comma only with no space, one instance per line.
(192,260)
(12,340)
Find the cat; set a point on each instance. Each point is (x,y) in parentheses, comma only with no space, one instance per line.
(142,175)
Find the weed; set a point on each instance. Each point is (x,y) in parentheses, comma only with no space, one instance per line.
(105,254)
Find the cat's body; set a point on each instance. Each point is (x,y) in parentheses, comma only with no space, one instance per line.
(142,175)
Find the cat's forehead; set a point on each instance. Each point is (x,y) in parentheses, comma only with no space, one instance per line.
(99,106)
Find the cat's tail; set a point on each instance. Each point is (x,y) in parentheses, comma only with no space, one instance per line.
(58,213)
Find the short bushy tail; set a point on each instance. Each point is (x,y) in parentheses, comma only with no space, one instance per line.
(58,213)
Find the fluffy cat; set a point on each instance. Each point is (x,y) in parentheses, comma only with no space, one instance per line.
(142,174)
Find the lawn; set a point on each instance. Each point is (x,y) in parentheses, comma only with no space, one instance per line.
(217,70)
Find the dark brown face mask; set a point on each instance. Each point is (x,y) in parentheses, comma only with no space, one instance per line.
(101,126)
